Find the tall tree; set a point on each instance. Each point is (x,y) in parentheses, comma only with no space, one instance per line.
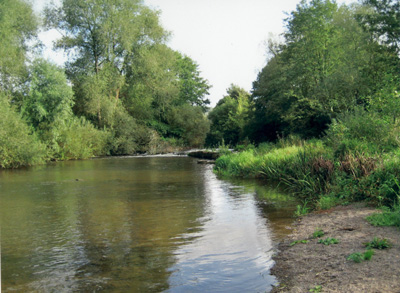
(103,38)
(327,65)
(18,25)
(192,87)
(384,21)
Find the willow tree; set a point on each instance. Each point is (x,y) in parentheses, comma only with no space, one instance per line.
(101,37)
(18,26)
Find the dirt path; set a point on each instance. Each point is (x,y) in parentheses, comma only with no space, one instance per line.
(322,268)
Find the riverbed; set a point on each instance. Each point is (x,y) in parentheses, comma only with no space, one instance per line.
(138,224)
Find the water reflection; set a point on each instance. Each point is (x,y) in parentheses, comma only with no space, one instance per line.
(134,224)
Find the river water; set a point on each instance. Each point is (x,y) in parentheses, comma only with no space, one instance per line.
(138,224)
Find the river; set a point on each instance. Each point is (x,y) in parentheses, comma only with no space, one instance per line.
(137,224)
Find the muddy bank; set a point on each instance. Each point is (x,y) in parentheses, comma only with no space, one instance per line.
(324,268)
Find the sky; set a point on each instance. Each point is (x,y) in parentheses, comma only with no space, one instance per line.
(226,38)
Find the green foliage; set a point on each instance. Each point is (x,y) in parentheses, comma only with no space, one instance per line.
(361,131)
(299,241)
(229,118)
(302,210)
(192,87)
(49,98)
(384,21)
(327,65)
(359,257)
(386,218)
(378,243)
(18,145)
(189,123)
(318,233)
(316,289)
(18,26)
(75,138)
(327,201)
(328,241)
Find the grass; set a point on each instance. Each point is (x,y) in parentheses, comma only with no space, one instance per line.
(389,217)
(328,241)
(299,241)
(359,256)
(378,243)
(324,175)
(302,210)
(316,289)
(318,233)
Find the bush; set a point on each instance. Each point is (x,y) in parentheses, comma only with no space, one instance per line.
(362,132)
(19,146)
(76,138)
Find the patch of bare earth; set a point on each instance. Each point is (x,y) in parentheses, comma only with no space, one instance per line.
(303,267)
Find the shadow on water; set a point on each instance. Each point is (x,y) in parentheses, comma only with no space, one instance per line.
(147,224)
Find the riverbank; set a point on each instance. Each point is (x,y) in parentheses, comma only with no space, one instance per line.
(314,267)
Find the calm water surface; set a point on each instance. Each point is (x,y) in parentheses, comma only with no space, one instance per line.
(140,224)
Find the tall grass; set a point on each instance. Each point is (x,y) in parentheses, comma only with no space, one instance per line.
(314,173)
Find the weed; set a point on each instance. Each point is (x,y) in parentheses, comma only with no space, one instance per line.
(327,202)
(318,233)
(378,243)
(302,210)
(299,241)
(386,218)
(328,241)
(359,257)
(316,289)
(368,254)
(356,257)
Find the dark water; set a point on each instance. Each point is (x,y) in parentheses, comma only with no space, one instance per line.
(147,224)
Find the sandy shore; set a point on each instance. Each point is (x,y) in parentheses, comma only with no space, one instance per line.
(324,268)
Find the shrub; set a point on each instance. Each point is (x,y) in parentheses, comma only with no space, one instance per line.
(74,139)
(19,146)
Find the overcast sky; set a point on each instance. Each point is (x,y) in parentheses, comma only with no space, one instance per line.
(225,37)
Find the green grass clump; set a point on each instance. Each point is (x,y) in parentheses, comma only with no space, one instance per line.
(386,218)
(327,202)
(328,241)
(378,243)
(301,210)
(299,241)
(318,233)
(316,289)
(359,257)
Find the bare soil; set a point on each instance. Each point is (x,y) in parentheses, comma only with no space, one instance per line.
(325,268)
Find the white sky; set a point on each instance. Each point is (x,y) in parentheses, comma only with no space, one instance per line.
(225,37)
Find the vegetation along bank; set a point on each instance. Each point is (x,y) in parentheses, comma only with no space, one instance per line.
(322,119)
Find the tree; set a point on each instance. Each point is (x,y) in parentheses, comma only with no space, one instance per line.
(384,21)
(18,26)
(229,118)
(50,98)
(327,65)
(106,37)
(18,145)
(192,87)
